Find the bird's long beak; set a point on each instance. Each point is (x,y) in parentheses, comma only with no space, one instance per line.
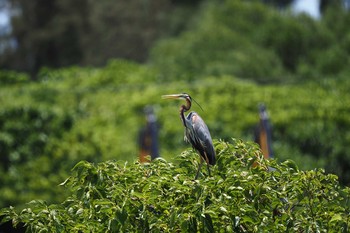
(173,96)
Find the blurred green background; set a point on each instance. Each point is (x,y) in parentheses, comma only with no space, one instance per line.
(76,75)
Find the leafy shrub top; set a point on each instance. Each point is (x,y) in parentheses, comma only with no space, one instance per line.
(244,194)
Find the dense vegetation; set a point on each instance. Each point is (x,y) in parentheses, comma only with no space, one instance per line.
(50,125)
(233,56)
(242,195)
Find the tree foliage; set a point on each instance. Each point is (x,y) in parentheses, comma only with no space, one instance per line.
(47,33)
(249,39)
(252,41)
(60,33)
(244,194)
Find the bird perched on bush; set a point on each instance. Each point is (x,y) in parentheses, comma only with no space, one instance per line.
(196,131)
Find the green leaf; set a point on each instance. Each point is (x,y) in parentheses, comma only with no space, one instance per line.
(336,217)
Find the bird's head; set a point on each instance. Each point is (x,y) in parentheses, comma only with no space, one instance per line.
(183,96)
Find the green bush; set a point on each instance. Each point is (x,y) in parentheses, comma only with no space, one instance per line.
(244,194)
(11,77)
(91,114)
(218,46)
(215,51)
(26,131)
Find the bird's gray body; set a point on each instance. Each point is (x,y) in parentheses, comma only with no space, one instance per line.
(197,133)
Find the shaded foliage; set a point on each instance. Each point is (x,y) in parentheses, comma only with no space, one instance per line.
(43,37)
(60,33)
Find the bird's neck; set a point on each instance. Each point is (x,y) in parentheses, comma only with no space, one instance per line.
(182,115)
(187,106)
(183,109)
